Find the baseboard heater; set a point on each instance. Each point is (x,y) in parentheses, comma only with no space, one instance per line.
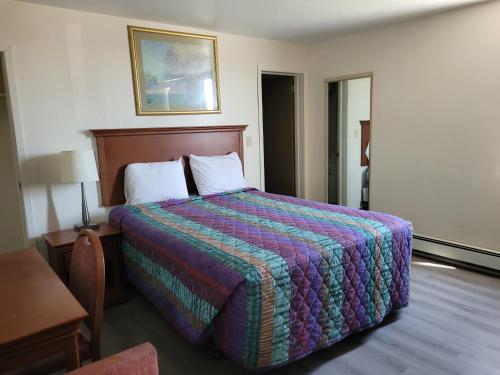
(466,255)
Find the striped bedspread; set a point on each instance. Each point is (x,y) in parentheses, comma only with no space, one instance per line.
(272,278)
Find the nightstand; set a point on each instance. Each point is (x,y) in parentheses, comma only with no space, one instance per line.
(60,247)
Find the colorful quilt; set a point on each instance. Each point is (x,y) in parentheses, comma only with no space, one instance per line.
(272,278)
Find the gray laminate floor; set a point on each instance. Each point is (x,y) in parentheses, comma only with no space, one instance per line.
(452,326)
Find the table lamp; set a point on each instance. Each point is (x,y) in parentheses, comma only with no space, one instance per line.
(80,166)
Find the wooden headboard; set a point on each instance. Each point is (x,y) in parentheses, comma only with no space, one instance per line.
(116,148)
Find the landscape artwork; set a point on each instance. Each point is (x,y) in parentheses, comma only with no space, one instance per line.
(174,73)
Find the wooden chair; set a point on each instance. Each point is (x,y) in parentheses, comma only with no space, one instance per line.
(86,283)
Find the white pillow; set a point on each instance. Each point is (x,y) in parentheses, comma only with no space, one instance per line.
(155,182)
(217,174)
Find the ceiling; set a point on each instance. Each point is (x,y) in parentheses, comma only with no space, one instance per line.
(292,20)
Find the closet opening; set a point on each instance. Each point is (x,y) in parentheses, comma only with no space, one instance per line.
(13,229)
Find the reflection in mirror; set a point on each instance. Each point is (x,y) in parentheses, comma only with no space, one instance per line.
(349,103)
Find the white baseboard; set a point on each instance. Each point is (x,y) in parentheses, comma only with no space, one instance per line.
(462,253)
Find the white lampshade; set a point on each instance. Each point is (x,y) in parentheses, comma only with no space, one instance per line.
(78,166)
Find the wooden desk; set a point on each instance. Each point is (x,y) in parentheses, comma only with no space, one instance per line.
(39,316)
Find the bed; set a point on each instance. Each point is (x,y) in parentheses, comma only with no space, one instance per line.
(271,278)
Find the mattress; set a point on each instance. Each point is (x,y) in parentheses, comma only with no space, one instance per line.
(272,278)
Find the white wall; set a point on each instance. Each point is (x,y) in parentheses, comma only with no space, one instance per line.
(436,87)
(435,155)
(358,108)
(72,72)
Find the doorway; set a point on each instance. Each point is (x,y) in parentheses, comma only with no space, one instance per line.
(278,122)
(13,229)
(333,144)
(348,141)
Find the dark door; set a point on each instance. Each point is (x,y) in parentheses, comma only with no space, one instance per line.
(278,112)
(333,148)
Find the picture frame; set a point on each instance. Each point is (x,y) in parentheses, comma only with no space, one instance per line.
(174,73)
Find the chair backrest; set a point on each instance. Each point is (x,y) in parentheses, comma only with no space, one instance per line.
(86,282)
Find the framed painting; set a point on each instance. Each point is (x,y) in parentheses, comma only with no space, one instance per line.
(174,73)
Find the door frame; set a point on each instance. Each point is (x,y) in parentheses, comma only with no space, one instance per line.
(17,140)
(340,135)
(299,128)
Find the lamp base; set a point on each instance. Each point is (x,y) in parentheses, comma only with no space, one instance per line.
(79,227)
